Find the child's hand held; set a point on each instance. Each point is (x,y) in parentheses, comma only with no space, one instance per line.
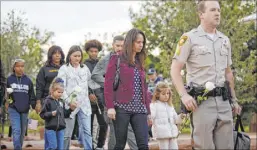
(54,113)
(180,118)
(111,113)
(73,105)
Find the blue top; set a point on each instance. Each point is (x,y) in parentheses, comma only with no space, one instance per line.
(136,105)
(23,93)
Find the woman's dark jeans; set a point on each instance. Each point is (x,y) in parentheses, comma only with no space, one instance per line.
(139,125)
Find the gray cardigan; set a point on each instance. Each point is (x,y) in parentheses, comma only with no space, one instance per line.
(100,69)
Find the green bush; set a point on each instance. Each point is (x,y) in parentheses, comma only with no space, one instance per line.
(34,115)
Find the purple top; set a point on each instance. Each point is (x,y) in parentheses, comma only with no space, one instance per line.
(136,105)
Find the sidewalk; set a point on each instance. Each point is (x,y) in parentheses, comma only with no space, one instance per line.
(184,142)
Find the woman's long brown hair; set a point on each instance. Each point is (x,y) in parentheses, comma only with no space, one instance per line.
(128,48)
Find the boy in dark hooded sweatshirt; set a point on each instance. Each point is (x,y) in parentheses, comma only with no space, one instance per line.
(20,99)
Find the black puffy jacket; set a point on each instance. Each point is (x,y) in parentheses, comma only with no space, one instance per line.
(54,122)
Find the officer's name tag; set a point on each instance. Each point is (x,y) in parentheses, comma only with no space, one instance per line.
(202,49)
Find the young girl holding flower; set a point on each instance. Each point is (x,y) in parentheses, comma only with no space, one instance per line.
(53,113)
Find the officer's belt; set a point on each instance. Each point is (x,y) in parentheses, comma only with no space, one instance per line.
(216,92)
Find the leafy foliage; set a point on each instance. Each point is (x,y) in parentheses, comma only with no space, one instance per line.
(19,40)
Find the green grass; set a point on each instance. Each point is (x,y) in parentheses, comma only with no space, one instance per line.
(246,128)
(6,129)
(186,131)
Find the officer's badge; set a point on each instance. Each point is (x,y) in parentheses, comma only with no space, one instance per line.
(181,42)
(225,44)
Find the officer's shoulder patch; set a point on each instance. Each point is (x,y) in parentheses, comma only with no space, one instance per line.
(181,42)
(177,50)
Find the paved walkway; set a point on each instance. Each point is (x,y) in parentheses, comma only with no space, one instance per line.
(184,142)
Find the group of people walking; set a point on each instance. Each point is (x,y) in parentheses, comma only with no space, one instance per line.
(115,89)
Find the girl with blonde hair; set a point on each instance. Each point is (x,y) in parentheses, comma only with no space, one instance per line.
(164,117)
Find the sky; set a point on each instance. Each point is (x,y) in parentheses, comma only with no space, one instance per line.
(72,21)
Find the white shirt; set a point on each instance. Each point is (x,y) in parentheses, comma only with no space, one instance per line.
(72,78)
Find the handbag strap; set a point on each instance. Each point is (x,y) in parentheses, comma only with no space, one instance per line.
(118,64)
(117,73)
(239,124)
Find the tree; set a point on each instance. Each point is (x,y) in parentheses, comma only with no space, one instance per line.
(19,40)
(165,21)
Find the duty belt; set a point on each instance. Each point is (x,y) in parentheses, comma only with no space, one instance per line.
(216,92)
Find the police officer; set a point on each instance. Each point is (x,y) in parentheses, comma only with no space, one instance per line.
(207,55)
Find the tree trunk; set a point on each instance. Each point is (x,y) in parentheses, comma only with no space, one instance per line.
(253,124)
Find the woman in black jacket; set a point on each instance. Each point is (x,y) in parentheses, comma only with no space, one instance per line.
(53,113)
(55,59)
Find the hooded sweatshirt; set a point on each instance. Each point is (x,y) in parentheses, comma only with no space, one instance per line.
(54,122)
(92,84)
(44,79)
(90,63)
(23,93)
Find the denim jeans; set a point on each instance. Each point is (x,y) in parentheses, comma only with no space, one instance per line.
(19,123)
(54,139)
(139,125)
(85,137)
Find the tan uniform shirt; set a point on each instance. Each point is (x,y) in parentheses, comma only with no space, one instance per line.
(206,58)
